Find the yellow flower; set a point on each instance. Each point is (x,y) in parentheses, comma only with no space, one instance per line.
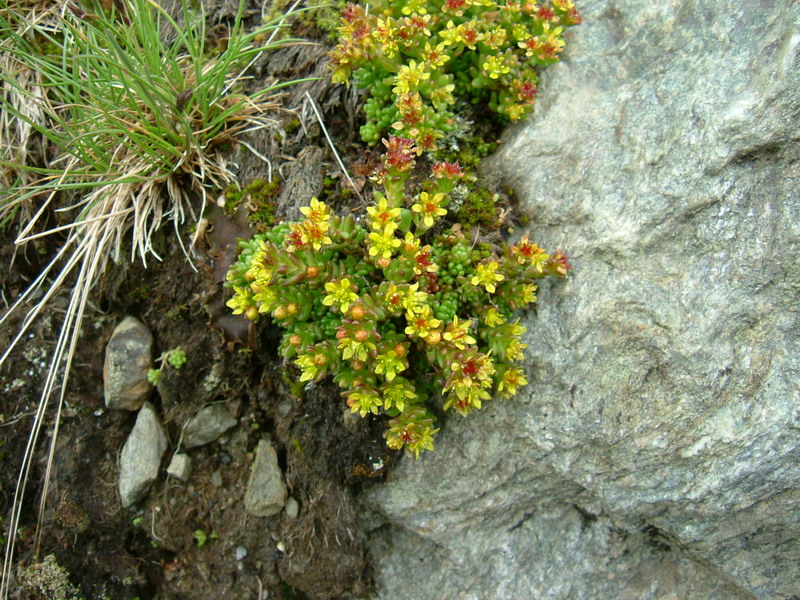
(386,35)
(528,293)
(410,76)
(466,396)
(429,207)
(241,300)
(435,56)
(487,276)
(512,379)
(414,300)
(383,244)
(339,293)
(421,323)
(514,350)
(458,333)
(313,366)
(414,6)
(496,66)
(382,215)
(317,212)
(389,365)
(315,234)
(397,394)
(493,318)
(357,347)
(363,403)
(516,111)
(410,244)
(441,97)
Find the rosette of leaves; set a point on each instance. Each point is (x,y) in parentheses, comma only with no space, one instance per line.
(415,58)
(403,319)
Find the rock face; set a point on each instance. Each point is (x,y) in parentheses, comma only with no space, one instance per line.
(266,490)
(654,453)
(141,456)
(128,358)
(207,425)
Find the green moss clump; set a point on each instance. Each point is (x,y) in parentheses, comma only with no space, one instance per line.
(479,208)
(259,196)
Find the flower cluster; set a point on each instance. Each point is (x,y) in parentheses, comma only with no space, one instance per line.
(403,318)
(415,58)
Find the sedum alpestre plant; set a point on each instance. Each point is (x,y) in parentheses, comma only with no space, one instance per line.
(417,57)
(404,316)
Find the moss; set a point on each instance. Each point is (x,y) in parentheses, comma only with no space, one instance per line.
(47,580)
(292,126)
(259,196)
(296,388)
(324,15)
(479,208)
(140,293)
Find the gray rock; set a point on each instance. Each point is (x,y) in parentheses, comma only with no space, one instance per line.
(663,398)
(266,491)
(141,455)
(207,425)
(180,466)
(128,358)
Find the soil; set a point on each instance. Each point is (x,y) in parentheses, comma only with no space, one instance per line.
(186,540)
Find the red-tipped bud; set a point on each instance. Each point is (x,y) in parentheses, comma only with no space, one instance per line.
(295,340)
(400,153)
(361,335)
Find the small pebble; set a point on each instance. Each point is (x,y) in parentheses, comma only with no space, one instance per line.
(292,508)
(180,467)
(284,408)
(241,552)
(224,458)
(216,479)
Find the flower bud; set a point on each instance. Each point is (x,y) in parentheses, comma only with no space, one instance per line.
(361,335)
(341,334)
(359,364)
(251,313)
(357,312)
(400,350)
(280,312)
(383,262)
(433,338)
(312,271)
(293,309)
(295,340)
(320,360)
